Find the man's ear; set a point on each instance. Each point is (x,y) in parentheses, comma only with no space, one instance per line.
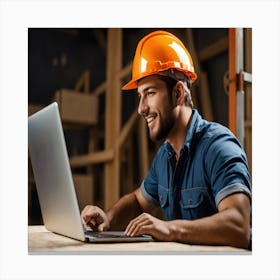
(179,92)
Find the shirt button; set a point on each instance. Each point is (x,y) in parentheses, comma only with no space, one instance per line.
(160,198)
(190,201)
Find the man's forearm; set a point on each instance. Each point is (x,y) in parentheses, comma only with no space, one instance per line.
(219,229)
(123,211)
(230,226)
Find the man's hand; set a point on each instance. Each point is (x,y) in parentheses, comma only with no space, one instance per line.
(95,218)
(148,224)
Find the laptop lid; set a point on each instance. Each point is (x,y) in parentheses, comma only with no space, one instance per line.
(52,173)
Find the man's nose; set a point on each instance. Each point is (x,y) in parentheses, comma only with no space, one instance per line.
(142,106)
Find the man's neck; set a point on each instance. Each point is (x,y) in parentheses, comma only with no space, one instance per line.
(178,133)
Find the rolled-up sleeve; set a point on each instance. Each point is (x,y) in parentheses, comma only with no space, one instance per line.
(226,167)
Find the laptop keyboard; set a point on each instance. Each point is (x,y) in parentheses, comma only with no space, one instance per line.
(106,234)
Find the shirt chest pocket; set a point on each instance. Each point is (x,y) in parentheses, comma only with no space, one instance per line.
(196,203)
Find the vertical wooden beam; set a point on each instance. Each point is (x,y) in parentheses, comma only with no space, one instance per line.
(236,88)
(206,103)
(113,115)
(248,96)
(240,84)
(232,82)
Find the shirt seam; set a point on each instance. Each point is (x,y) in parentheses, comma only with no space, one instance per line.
(231,189)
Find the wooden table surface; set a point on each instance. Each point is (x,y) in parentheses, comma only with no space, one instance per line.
(41,241)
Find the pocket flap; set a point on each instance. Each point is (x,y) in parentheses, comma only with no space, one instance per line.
(192,198)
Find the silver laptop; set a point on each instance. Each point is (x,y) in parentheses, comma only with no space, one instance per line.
(54,182)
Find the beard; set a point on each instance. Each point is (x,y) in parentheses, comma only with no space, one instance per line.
(164,126)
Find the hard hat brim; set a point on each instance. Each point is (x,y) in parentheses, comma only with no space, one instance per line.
(134,85)
(130,85)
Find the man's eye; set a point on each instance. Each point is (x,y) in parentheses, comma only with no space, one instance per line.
(150,93)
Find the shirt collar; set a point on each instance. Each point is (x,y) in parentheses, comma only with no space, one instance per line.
(194,121)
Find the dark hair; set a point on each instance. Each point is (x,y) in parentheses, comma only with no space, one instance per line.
(171,83)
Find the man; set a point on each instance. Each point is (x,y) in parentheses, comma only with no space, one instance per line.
(199,178)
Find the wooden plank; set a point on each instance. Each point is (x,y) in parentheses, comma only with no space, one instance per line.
(124,72)
(92,158)
(248,97)
(83,84)
(100,89)
(248,69)
(206,103)
(76,107)
(236,89)
(214,49)
(84,189)
(248,124)
(113,116)
(232,100)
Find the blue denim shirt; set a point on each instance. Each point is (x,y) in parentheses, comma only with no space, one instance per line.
(212,165)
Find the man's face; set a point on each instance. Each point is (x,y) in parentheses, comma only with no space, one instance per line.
(156,106)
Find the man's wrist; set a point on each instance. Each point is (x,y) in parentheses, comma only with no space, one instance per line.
(173,231)
(177,230)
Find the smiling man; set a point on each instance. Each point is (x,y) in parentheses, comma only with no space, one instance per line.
(198,189)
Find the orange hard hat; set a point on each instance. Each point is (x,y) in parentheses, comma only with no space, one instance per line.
(158,52)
